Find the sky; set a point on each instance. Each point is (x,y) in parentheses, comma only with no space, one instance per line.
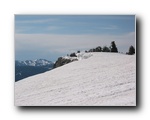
(52,36)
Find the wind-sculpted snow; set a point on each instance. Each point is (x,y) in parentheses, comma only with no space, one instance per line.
(103,79)
(80,56)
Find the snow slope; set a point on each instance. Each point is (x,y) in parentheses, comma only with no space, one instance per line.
(104,79)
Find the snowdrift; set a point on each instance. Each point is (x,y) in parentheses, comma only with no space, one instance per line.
(103,79)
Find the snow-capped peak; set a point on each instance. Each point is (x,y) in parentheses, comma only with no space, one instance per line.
(37,62)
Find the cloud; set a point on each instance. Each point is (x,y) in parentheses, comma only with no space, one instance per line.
(33,25)
(111,27)
(67,43)
(22,29)
(53,28)
(32,29)
(38,21)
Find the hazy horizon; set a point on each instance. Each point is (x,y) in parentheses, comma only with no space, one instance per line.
(51,36)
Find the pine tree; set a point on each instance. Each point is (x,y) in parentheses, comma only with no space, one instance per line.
(78,51)
(98,49)
(131,50)
(105,49)
(113,47)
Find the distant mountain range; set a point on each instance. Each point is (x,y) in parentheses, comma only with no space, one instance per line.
(36,63)
(28,68)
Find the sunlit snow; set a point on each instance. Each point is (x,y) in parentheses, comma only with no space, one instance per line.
(96,79)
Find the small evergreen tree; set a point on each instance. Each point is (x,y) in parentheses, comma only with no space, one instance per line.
(131,50)
(98,49)
(94,50)
(91,50)
(105,49)
(113,47)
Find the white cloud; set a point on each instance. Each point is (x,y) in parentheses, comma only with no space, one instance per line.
(53,28)
(111,27)
(22,29)
(36,21)
(67,43)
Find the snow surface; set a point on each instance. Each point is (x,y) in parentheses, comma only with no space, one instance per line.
(80,56)
(104,79)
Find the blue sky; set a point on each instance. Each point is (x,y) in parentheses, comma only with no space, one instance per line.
(51,36)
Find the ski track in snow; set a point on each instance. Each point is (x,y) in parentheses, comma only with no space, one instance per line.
(104,79)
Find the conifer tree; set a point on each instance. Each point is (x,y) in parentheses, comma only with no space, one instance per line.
(105,49)
(131,50)
(113,47)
